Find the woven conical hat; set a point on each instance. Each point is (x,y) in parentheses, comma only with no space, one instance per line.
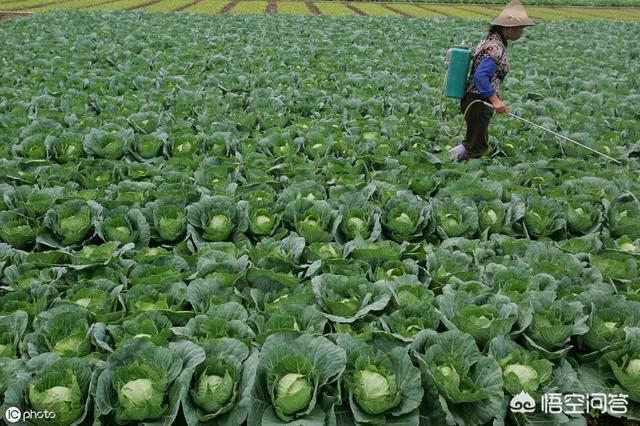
(513,15)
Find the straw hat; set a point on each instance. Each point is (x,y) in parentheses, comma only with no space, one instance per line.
(513,15)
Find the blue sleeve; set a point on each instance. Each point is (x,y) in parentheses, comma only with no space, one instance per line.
(482,77)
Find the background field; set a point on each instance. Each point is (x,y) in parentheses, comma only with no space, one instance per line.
(416,10)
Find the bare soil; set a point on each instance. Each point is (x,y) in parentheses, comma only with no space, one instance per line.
(97,4)
(399,12)
(186,6)
(4,16)
(229,7)
(355,9)
(140,6)
(312,8)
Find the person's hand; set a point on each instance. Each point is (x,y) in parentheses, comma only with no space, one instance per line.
(499,106)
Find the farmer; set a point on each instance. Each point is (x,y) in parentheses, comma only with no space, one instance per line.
(489,66)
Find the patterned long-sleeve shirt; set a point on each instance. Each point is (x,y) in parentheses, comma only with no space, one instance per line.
(489,65)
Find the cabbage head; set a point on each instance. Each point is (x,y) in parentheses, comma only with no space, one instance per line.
(62,388)
(347,298)
(543,216)
(147,146)
(17,230)
(522,370)
(359,216)
(217,389)
(492,217)
(292,380)
(456,217)
(141,398)
(125,225)
(624,219)
(263,221)
(72,221)
(628,373)
(633,368)
(65,401)
(63,329)
(212,391)
(405,217)
(293,393)
(469,384)
(312,219)
(374,391)
(583,216)
(167,221)
(381,382)
(217,218)
(138,380)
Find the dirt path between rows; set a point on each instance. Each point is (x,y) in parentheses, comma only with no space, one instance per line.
(312,8)
(187,6)
(394,10)
(355,9)
(96,4)
(140,6)
(228,8)
(36,6)
(5,16)
(439,12)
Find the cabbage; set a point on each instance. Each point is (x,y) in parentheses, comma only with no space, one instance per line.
(62,389)
(524,373)
(293,393)
(213,392)
(137,380)
(374,392)
(633,368)
(449,375)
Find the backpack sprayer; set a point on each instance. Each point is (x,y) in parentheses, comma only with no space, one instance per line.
(457,64)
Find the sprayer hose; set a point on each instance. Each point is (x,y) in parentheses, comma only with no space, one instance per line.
(464,116)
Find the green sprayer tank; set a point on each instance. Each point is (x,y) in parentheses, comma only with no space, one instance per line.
(457,63)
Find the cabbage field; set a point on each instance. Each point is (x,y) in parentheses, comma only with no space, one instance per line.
(227,220)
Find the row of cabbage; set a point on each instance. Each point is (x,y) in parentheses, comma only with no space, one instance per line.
(442,378)
(454,340)
(145,214)
(155,278)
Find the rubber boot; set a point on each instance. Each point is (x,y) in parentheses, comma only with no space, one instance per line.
(457,152)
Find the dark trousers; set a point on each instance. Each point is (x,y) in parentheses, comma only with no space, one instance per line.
(477,138)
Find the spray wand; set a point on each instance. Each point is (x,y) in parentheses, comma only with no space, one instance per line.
(557,134)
